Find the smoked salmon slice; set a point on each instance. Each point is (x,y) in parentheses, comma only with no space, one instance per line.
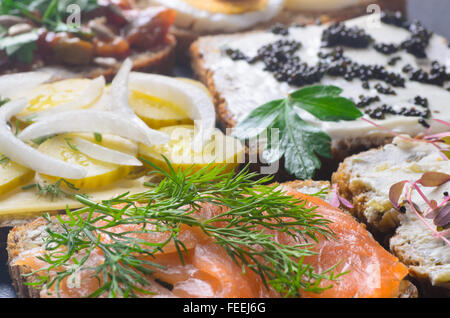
(208,271)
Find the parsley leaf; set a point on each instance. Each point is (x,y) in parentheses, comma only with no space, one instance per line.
(299,141)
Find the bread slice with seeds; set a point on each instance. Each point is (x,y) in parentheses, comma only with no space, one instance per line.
(365,180)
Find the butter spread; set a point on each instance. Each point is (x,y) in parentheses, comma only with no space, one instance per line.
(405,160)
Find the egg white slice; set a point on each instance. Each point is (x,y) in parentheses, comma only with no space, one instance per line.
(192,18)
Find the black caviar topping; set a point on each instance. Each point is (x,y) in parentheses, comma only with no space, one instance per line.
(386,90)
(339,34)
(380,112)
(394,60)
(424,123)
(350,70)
(333,55)
(445,194)
(437,76)
(402,209)
(386,48)
(365,85)
(421,101)
(414,112)
(407,68)
(280,29)
(418,42)
(367,100)
(395,18)
(236,55)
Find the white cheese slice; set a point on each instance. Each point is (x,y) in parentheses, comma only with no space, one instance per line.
(22,204)
(245,86)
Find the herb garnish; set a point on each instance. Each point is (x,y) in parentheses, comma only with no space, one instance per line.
(98,137)
(71,146)
(54,191)
(250,206)
(438,212)
(3,101)
(299,141)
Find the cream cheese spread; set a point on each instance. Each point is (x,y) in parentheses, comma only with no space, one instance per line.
(376,171)
(245,86)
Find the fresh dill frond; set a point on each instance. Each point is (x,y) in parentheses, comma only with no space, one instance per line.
(98,137)
(252,213)
(3,101)
(40,140)
(73,147)
(53,191)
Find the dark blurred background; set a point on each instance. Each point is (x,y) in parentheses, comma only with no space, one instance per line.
(435,14)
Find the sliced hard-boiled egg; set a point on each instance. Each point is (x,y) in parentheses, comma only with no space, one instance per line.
(13,175)
(157,112)
(111,148)
(221,15)
(220,150)
(194,100)
(24,154)
(99,173)
(63,95)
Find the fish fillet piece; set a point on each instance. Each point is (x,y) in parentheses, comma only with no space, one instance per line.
(208,271)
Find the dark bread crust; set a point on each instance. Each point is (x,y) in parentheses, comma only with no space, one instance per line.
(18,241)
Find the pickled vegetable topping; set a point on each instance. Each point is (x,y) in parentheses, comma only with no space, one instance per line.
(33,32)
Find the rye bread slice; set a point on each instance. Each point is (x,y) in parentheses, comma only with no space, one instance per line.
(29,236)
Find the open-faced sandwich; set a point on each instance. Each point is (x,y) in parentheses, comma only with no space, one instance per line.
(80,136)
(207,234)
(395,72)
(402,189)
(84,38)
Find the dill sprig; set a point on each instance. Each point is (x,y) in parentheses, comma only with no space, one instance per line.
(252,213)
(54,191)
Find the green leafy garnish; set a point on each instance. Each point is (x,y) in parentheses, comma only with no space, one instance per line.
(98,137)
(71,146)
(252,212)
(3,101)
(53,191)
(299,141)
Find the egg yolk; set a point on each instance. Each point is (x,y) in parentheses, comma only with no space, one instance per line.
(229,6)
